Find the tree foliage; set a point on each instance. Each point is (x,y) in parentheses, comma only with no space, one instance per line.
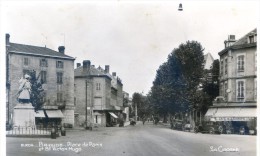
(210,85)
(141,102)
(177,80)
(37,92)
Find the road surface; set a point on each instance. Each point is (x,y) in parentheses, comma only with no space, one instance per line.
(139,140)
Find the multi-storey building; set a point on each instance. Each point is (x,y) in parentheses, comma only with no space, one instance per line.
(98,95)
(237,102)
(56,71)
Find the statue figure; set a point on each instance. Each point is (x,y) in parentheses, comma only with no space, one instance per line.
(24,90)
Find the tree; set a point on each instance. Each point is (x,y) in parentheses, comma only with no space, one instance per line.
(37,92)
(141,103)
(177,80)
(210,85)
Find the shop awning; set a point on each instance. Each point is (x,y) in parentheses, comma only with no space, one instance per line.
(113,115)
(233,114)
(248,112)
(227,112)
(54,114)
(39,114)
(117,108)
(211,112)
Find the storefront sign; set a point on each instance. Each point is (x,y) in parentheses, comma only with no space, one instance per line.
(233,118)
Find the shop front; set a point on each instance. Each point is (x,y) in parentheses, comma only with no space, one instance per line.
(48,118)
(234,120)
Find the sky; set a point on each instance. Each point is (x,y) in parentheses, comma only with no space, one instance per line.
(133,37)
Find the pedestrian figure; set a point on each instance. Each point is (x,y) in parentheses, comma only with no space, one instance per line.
(143,121)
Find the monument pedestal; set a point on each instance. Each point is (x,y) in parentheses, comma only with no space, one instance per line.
(24,115)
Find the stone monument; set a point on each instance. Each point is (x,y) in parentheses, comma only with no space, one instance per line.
(24,115)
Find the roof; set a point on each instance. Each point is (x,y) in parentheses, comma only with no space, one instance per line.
(36,50)
(241,43)
(98,72)
(78,72)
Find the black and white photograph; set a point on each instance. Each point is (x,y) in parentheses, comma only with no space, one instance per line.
(129,78)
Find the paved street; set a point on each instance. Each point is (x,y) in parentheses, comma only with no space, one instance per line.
(139,140)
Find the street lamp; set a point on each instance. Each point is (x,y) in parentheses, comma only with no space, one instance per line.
(180,7)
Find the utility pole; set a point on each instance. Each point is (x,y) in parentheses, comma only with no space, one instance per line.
(86,119)
(135,111)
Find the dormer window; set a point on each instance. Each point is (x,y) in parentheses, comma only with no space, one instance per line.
(252,39)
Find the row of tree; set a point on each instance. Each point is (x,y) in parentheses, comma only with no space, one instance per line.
(181,84)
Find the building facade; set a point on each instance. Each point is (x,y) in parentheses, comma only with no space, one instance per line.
(98,96)
(238,82)
(56,71)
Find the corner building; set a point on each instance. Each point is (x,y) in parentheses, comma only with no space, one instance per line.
(56,71)
(237,102)
(98,96)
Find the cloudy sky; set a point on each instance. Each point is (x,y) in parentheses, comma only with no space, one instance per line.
(133,37)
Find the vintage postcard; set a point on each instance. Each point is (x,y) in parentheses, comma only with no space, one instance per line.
(169,78)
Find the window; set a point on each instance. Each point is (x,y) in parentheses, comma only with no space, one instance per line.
(221,90)
(226,65)
(43,63)
(225,90)
(221,67)
(43,76)
(240,90)
(98,86)
(59,64)
(251,39)
(26,61)
(59,77)
(59,97)
(240,63)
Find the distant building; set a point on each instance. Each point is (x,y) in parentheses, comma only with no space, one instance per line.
(126,105)
(56,72)
(207,67)
(208,61)
(238,78)
(98,95)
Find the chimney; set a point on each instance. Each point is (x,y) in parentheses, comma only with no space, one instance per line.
(61,49)
(78,65)
(106,68)
(114,74)
(7,39)
(86,64)
(231,40)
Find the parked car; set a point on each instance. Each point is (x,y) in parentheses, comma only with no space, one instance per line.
(177,125)
(209,127)
(187,127)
